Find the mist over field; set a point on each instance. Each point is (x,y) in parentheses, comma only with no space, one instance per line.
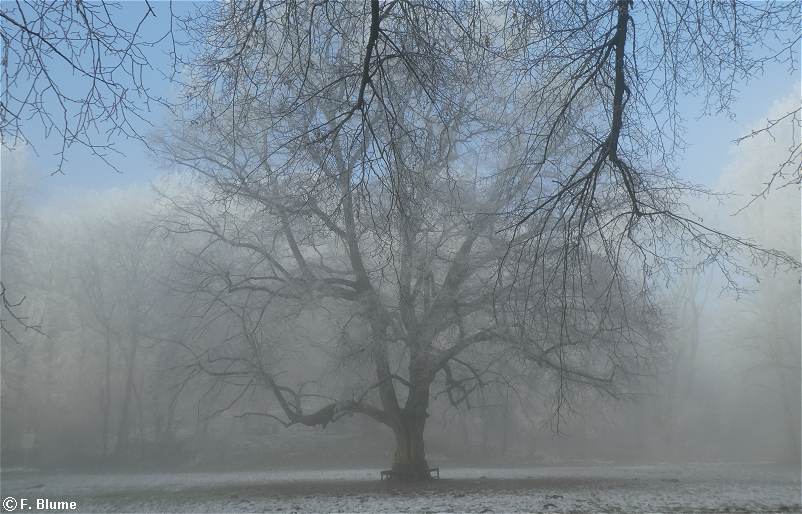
(727,389)
(390,256)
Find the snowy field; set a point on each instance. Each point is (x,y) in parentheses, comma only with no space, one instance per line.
(598,488)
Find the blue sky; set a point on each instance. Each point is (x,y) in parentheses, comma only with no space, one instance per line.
(709,138)
(136,167)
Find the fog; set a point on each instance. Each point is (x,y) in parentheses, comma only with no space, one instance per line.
(104,374)
(274,255)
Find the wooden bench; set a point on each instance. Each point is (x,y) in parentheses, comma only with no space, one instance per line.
(389,474)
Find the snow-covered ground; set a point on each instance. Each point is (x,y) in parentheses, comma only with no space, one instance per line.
(598,488)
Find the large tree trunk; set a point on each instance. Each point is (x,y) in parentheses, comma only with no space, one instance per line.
(409,461)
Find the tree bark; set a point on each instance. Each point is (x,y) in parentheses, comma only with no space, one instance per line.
(409,461)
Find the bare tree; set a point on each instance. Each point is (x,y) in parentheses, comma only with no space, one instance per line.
(15,191)
(633,60)
(353,127)
(408,254)
(116,293)
(774,354)
(692,295)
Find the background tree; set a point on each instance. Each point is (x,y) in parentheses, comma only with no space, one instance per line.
(15,221)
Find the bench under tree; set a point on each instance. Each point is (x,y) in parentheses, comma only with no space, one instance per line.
(390,474)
